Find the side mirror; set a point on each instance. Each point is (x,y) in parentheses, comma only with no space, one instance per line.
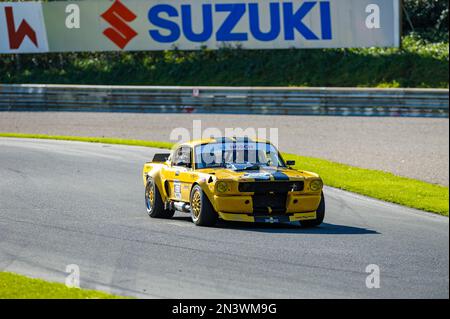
(290,163)
(160,157)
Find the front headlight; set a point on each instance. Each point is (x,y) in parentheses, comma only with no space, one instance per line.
(221,187)
(316,185)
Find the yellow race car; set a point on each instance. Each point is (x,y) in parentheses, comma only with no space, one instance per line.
(235,179)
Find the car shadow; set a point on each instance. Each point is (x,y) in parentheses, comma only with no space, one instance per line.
(186,218)
(292,228)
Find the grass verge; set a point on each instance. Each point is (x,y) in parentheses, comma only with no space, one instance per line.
(373,183)
(13,286)
(103,140)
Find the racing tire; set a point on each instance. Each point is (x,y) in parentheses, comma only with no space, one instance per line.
(202,212)
(154,203)
(320,215)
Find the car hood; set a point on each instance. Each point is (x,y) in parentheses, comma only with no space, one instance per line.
(263,174)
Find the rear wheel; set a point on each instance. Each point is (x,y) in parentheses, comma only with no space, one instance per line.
(154,203)
(320,215)
(202,212)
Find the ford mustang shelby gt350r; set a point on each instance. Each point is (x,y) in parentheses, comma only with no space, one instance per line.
(235,179)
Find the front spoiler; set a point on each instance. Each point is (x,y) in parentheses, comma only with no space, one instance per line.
(269,218)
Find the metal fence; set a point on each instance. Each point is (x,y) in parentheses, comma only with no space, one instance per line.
(234,100)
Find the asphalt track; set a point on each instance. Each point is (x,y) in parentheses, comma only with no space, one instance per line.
(67,203)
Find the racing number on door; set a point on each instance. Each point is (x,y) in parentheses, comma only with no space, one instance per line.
(177,189)
(181,172)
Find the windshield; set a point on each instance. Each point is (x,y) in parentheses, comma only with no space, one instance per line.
(238,155)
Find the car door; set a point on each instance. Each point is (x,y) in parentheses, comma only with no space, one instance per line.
(179,175)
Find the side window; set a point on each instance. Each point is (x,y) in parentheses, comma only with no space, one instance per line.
(182,157)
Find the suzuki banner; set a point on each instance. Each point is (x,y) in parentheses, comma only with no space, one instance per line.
(137,25)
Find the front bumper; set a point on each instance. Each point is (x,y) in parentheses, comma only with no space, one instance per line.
(244,204)
(268,218)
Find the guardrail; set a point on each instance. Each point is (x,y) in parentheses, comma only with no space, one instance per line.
(235,100)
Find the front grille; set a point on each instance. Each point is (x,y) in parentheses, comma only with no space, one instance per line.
(271,187)
(262,202)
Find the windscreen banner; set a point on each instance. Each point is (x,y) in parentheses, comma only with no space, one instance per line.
(152,25)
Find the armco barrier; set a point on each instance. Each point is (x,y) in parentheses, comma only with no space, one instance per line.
(234,100)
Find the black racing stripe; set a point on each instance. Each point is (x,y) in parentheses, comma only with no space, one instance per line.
(258,175)
(279,176)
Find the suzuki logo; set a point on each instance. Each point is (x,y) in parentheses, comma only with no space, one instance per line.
(120,32)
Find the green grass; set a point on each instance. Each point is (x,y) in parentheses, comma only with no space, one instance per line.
(103,140)
(13,286)
(373,183)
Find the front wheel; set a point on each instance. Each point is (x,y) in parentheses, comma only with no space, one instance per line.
(320,215)
(154,203)
(202,212)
